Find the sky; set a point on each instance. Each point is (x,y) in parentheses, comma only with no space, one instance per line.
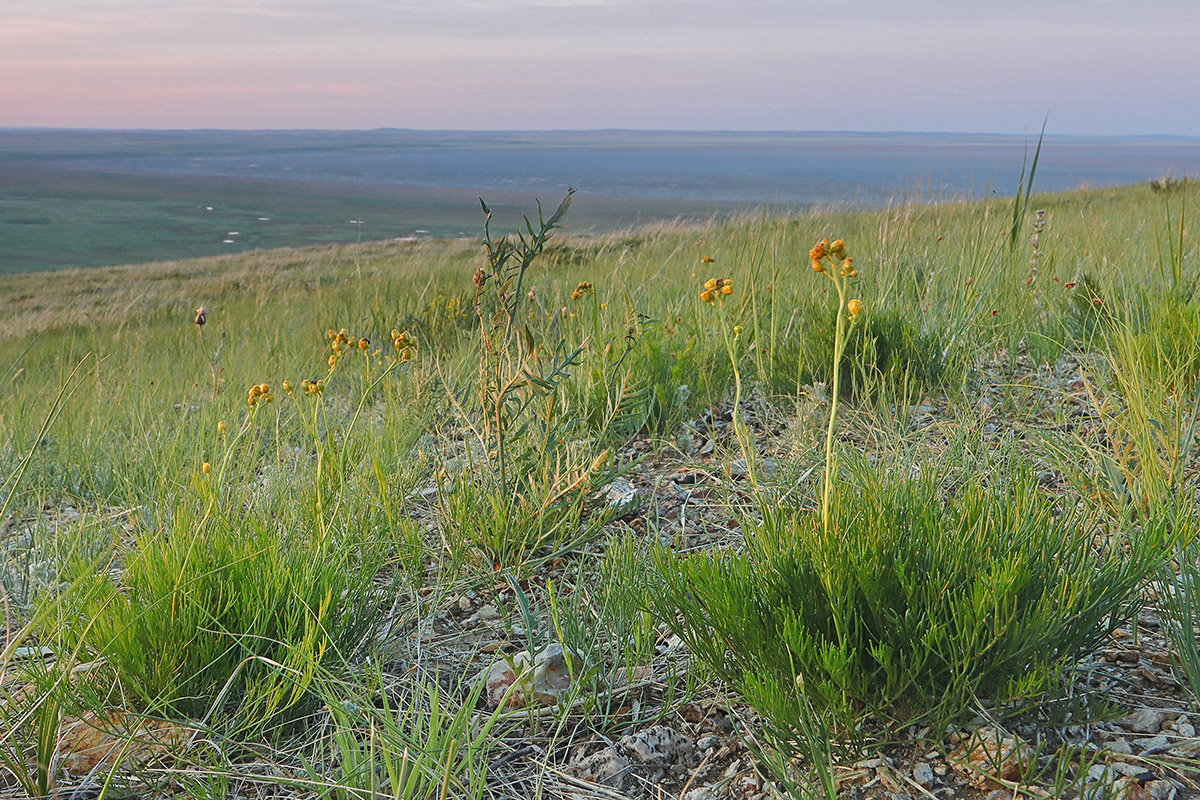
(1003,66)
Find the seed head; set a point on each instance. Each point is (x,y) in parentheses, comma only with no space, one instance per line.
(201,315)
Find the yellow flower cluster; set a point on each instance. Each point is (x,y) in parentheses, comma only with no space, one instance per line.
(716,289)
(405,344)
(259,393)
(583,288)
(826,256)
(312,387)
(835,253)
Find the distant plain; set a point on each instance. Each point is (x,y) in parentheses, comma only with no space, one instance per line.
(94,198)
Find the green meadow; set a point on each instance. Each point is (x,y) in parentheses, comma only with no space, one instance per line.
(799,512)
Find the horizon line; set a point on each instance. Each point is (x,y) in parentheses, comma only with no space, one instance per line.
(617,130)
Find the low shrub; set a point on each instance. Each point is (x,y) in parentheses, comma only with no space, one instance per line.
(908,605)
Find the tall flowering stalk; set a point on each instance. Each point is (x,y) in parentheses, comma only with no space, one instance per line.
(714,293)
(830,259)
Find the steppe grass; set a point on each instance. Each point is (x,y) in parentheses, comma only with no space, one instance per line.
(245,561)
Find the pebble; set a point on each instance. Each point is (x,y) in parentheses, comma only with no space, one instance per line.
(484,614)
(923,774)
(1144,720)
(1162,790)
(1155,744)
(543,682)
(1186,749)
(1119,746)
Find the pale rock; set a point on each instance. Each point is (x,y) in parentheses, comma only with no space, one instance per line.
(991,753)
(1144,720)
(485,614)
(1162,790)
(1128,770)
(1189,748)
(1127,788)
(620,493)
(1154,744)
(628,676)
(542,682)
(923,774)
(1119,746)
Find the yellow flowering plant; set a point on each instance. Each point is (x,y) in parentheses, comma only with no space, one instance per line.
(830,259)
(714,292)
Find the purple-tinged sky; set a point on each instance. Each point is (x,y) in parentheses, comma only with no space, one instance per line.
(1093,66)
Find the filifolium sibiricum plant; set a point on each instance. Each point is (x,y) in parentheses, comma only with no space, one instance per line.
(891,604)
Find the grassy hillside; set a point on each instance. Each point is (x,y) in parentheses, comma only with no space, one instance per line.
(293,534)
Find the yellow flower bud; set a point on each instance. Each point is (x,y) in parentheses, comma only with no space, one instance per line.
(727,288)
(817,266)
(221,427)
(333,361)
(287,386)
(854,307)
(706,296)
(206,468)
